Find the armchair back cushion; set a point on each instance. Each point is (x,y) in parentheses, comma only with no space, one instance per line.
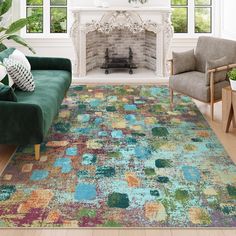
(210,48)
(218,76)
(183,62)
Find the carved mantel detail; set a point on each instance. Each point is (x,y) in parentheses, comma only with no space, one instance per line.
(136,21)
(123,20)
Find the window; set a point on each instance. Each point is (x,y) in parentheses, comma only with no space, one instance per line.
(192,16)
(46,17)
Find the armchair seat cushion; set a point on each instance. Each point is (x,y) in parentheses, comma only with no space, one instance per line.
(193,84)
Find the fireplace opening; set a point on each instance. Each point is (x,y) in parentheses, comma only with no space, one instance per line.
(118,41)
(118,62)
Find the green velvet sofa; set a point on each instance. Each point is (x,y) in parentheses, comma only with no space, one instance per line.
(28,120)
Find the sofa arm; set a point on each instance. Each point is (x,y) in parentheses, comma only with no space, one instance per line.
(21,123)
(50,63)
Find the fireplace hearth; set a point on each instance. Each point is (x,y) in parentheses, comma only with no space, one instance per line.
(118,62)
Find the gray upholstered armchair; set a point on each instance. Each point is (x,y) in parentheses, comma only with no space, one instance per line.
(203,74)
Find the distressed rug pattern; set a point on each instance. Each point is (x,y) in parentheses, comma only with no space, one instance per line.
(117,156)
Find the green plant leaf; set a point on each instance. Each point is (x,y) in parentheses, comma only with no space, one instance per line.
(21,41)
(16,26)
(232,74)
(2,29)
(5,5)
(2,47)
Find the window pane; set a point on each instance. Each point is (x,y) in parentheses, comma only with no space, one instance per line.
(58,20)
(34,2)
(202,2)
(179,2)
(58,2)
(35,24)
(180,19)
(203,20)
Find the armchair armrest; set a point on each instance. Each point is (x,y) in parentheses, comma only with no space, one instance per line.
(171,61)
(222,68)
(50,63)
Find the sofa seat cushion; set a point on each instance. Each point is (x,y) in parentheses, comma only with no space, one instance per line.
(194,84)
(50,89)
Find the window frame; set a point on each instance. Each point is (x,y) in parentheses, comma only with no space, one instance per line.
(215,21)
(46,18)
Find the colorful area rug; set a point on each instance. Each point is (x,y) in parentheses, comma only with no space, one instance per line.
(118,157)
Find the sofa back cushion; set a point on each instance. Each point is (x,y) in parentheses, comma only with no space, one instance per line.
(210,48)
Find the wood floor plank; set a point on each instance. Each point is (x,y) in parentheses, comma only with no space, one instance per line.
(158,232)
(132,232)
(108,232)
(50,232)
(6,151)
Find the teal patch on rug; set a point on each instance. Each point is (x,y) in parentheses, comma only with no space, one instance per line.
(117,156)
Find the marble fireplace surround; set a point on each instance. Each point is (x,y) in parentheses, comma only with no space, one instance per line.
(154,20)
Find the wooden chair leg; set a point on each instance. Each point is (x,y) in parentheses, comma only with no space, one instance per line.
(212,88)
(227,110)
(212,111)
(171,98)
(37,151)
(234,121)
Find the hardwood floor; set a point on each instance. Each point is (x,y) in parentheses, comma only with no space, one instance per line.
(6,151)
(115,232)
(228,141)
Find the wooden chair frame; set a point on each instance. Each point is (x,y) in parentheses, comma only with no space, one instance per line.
(212,83)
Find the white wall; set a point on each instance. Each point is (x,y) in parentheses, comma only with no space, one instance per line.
(64,48)
(228,19)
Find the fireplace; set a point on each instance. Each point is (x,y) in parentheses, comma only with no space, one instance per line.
(147,31)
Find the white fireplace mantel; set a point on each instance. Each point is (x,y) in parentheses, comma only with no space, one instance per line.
(97,9)
(154,19)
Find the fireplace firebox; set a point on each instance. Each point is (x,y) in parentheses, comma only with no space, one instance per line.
(118,62)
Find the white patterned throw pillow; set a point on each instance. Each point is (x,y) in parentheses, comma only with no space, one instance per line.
(20,57)
(21,76)
(4,77)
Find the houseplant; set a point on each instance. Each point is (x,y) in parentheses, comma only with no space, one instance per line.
(10,32)
(232,78)
(136,3)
